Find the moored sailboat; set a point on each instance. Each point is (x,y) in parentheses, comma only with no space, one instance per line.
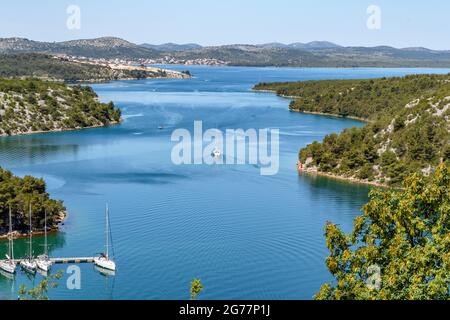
(9,265)
(43,261)
(103,260)
(28,264)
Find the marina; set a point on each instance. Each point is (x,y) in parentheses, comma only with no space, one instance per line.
(31,264)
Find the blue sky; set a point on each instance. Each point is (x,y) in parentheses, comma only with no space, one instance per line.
(211,22)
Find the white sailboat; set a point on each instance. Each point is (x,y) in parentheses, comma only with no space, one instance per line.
(9,265)
(103,261)
(29,264)
(43,261)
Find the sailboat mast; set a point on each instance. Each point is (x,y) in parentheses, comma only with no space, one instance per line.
(31,239)
(11,241)
(107,228)
(45,233)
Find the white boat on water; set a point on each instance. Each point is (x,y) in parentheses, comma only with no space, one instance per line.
(28,264)
(7,275)
(9,265)
(103,260)
(43,261)
(216,153)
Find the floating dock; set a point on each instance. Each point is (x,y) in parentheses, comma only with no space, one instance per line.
(72,260)
(75,260)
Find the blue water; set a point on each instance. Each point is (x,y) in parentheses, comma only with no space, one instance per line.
(245,235)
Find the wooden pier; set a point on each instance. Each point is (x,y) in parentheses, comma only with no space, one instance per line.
(75,260)
(72,260)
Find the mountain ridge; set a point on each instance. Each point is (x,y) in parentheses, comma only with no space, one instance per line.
(311,54)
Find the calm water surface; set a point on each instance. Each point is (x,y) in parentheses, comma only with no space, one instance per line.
(245,235)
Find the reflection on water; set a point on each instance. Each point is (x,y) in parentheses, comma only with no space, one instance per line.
(9,284)
(105,272)
(31,151)
(55,241)
(246,236)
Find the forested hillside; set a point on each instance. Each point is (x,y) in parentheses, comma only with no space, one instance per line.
(18,194)
(52,68)
(28,106)
(407,130)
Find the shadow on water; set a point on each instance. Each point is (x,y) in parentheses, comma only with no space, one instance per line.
(345,189)
(32,149)
(55,241)
(334,198)
(9,284)
(138,177)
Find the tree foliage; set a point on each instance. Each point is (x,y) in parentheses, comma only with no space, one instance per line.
(33,105)
(399,248)
(40,292)
(18,194)
(407,130)
(196,288)
(48,67)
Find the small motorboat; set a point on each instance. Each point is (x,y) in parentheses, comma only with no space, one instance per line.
(216,153)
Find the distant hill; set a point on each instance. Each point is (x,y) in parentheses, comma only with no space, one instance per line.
(312,54)
(106,47)
(299,45)
(283,56)
(167,47)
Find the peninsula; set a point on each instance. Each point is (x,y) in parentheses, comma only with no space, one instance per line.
(407,129)
(65,68)
(19,195)
(32,106)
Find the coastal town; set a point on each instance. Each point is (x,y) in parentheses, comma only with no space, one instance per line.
(125,64)
(140,64)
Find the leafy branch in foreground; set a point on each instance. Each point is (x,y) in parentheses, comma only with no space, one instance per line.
(402,238)
(196,288)
(40,292)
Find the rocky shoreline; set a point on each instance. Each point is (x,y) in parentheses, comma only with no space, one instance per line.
(59,130)
(52,229)
(311,112)
(315,172)
(330,115)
